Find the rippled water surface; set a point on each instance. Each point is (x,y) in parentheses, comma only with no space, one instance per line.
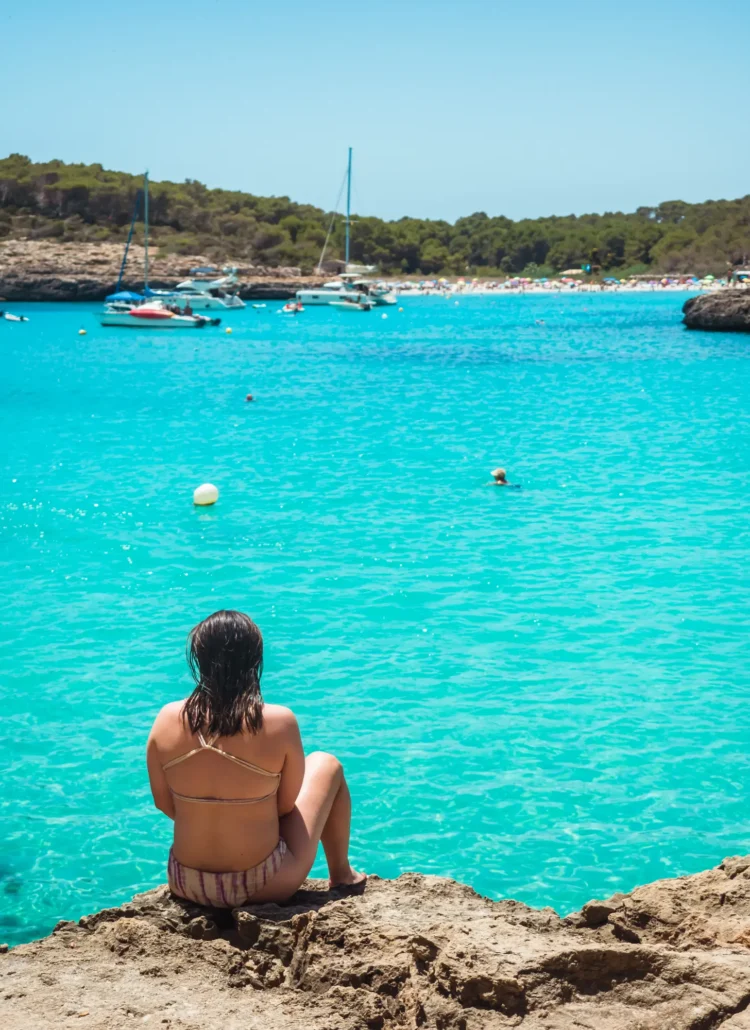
(542,692)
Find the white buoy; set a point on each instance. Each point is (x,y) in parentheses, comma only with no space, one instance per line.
(384,316)
(205,494)
(81,332)
(228,329)
(400,309)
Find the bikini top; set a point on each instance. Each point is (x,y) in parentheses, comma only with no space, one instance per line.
(208,745)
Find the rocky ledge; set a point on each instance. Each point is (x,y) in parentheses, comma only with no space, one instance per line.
(32,270)
(725,311)
(417,952)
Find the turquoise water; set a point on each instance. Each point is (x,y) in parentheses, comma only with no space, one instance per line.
(542,692)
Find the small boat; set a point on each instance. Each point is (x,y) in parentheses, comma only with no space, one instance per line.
(258,306)
(292,307)
(13,318)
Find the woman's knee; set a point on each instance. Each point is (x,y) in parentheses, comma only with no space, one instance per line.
(323,761)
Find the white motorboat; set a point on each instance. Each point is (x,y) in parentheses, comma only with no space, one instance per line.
(205,294)
(152,314)
(381,295)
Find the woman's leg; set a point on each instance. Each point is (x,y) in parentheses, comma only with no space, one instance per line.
(322,813)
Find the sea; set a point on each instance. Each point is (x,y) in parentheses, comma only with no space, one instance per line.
(542,692)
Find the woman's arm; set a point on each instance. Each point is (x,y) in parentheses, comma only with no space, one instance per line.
(294,766)
(159,788)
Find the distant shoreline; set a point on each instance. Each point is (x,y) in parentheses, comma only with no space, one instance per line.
(42,270)
(66,292)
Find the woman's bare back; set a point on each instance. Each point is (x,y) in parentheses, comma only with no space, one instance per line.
(215,834)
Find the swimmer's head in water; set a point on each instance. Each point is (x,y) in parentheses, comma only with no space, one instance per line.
(498,475)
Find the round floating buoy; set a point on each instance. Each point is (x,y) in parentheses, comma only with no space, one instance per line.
(400,309)
(205,494)
(249,397)
(384,316)
(456,303)
(228,329)
(81,332)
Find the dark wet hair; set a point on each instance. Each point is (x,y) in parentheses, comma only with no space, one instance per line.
(225,655)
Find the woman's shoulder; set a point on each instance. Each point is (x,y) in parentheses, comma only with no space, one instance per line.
(278,719)
(170,712)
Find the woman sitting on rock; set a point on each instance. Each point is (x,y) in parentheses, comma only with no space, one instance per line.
(248,807)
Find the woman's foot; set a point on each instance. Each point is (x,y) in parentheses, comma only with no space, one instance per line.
(348,878)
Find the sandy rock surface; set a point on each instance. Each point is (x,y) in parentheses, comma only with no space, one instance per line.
(34,270)
(726,311)
(417,952)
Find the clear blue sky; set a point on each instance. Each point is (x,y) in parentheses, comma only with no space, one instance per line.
(473,105)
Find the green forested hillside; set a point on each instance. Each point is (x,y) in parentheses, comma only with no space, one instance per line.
(85,202)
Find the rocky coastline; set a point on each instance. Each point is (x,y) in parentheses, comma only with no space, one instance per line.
(41,270)
(416,952)
(724,311)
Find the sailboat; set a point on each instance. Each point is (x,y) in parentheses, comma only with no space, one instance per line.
(350,292)
(137,311)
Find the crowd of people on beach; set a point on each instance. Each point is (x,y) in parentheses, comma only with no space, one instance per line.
(568,283)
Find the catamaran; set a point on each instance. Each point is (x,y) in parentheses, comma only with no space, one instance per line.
(146,310)
(350,292)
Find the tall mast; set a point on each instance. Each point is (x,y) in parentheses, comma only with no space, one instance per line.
(348,203)
(127,245)
(145,234)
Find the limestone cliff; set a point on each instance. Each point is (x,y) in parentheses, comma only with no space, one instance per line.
(417,952)
(32,270)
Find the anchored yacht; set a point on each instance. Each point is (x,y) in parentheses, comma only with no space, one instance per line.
(147,310)
(349,288)
(350,292)
(205,294)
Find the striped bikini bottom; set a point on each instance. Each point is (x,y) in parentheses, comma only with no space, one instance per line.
(223,890)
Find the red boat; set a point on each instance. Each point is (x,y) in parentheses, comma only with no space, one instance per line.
(150,313)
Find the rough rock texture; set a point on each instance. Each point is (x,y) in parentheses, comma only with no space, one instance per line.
(417,952)
(727,311)
(33,270)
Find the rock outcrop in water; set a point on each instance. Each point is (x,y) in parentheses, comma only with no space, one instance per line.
(417,952)
(724,311)
(32,270)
